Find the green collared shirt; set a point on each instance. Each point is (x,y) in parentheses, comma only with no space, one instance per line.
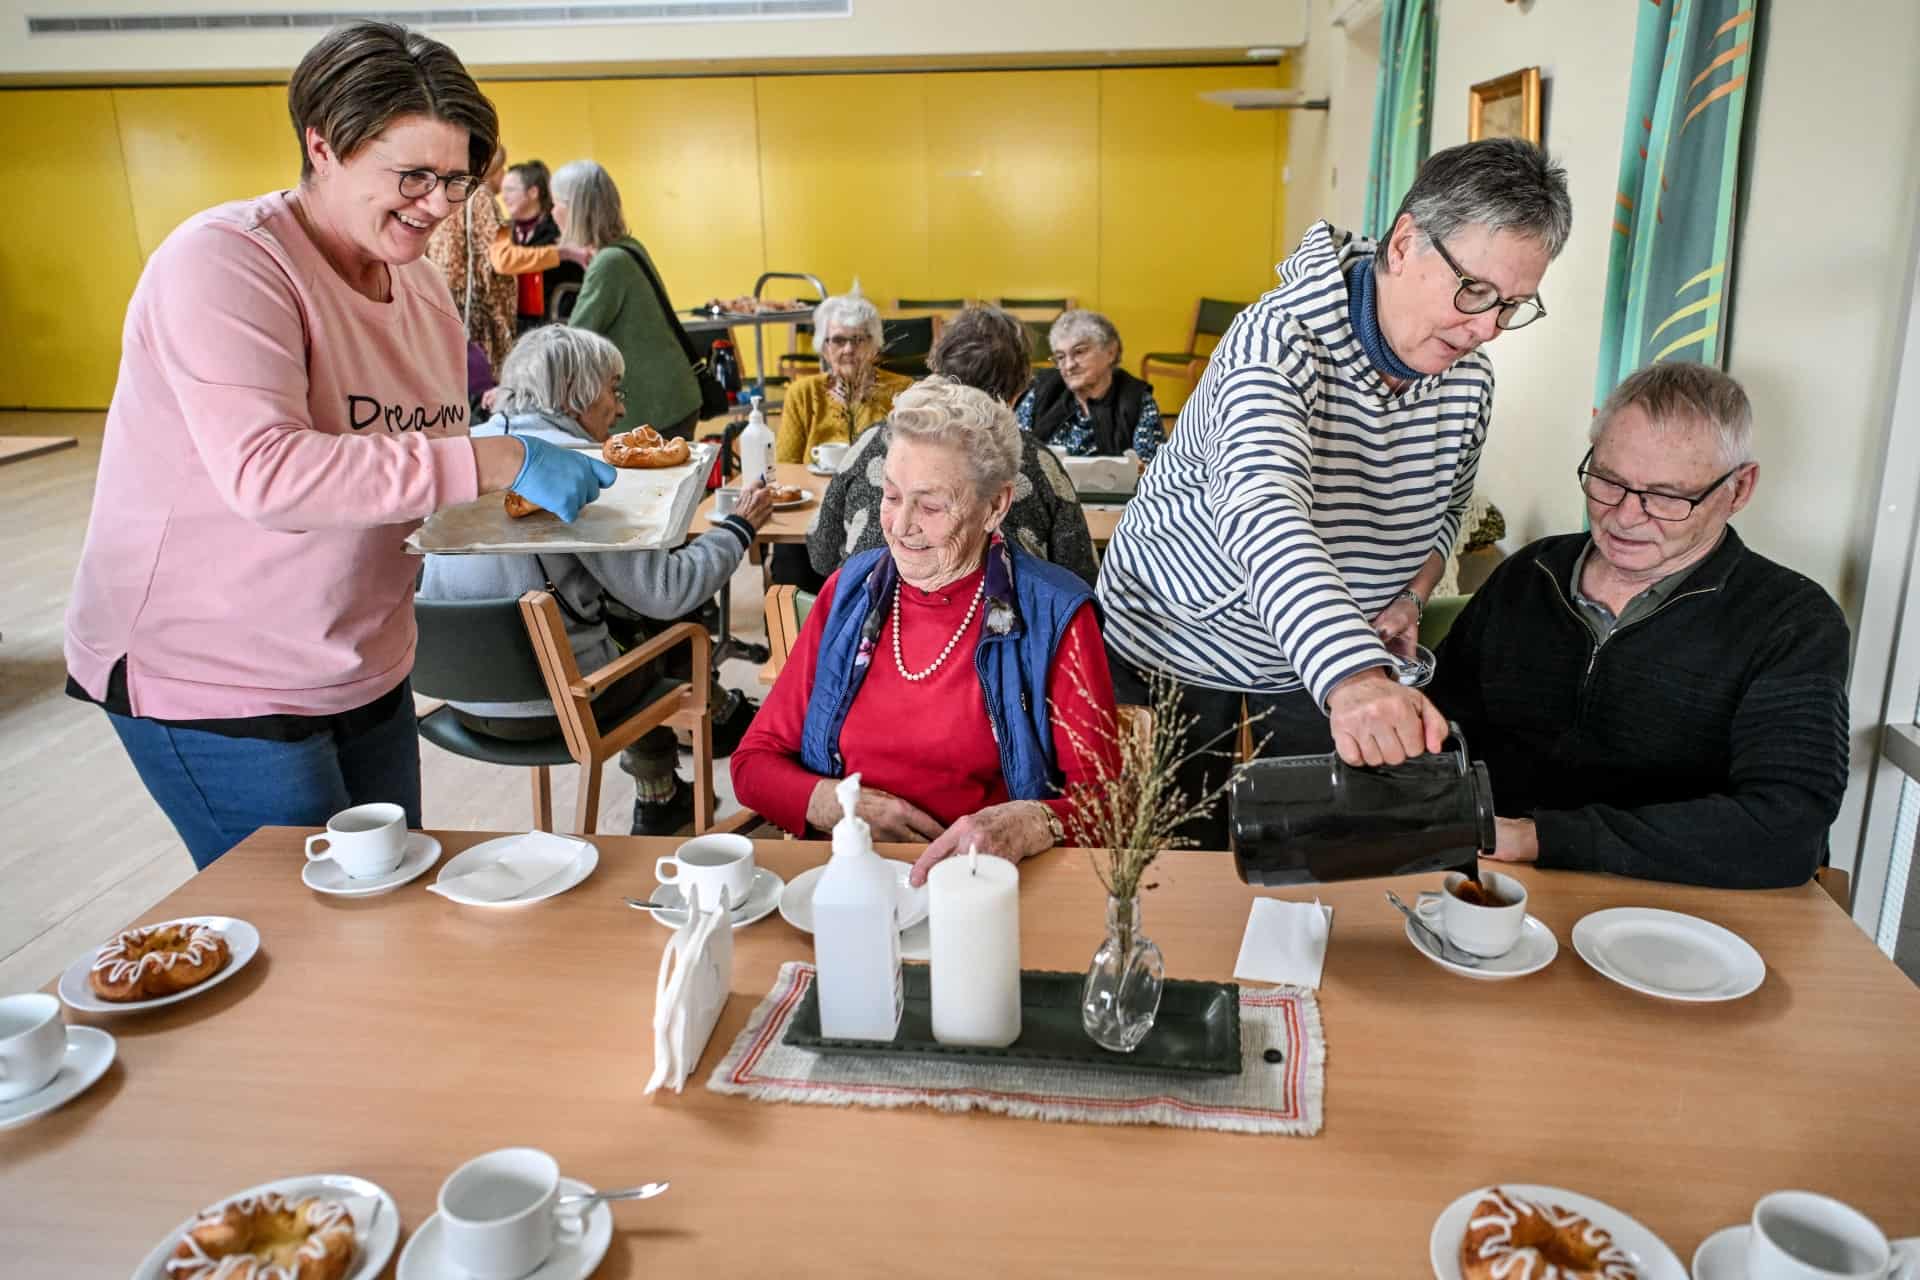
(1601,621)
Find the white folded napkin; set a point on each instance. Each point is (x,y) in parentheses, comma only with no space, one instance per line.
(522,866)
(1285,942)
(696,973)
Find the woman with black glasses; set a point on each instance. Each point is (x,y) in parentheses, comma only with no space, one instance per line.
(1282,546)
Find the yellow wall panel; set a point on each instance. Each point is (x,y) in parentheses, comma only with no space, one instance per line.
(64,286)
(1013,181)
(189,149)
(547,120)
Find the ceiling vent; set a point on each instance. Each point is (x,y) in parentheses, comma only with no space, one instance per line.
(496,15)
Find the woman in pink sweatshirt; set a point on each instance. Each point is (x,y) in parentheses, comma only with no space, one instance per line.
(291,401)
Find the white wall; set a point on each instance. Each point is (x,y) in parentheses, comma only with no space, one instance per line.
(1327,151)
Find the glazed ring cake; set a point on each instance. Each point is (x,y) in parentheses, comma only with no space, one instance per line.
(1513,1239)
(160,960)
(266,1237)
(644,447)
(786,492)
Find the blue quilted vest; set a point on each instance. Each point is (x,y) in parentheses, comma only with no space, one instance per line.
(1029,603)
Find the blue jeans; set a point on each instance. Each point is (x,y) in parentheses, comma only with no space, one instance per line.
(217,790)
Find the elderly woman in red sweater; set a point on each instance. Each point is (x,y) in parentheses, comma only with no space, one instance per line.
(962,678)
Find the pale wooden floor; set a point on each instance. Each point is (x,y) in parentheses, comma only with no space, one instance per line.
(83,848)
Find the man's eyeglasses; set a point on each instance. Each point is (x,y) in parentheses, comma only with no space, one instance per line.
(1476,297)
(417,184)
(1661,506)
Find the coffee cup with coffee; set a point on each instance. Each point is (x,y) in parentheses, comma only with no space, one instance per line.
(1802,1235)
(33,1042)
(1483,918)
(499,1215)
(710,864)
(827,457)
(364,841)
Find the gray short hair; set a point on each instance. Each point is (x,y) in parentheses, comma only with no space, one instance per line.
(848,311)
(938,410)
(1092,324)
(1502,184)
(557,369)
(594,217)
(1683,394)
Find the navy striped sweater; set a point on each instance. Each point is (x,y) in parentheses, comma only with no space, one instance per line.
(1296,497)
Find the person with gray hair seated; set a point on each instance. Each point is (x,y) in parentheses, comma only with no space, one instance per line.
(1283,543)
(565,386)
(1087,404)
(950,629)
(850,393)
(1652,697)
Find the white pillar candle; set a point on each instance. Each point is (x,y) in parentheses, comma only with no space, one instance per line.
(973,906)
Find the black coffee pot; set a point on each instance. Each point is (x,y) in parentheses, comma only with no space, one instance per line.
(1301,819)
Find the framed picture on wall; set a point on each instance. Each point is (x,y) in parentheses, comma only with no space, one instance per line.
(1505,107)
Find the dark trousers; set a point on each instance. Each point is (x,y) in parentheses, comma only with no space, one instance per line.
(1284,724)
(787,562)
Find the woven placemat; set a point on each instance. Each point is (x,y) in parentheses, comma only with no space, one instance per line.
(1272,1097)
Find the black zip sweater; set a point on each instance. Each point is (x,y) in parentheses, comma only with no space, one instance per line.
(1705,743)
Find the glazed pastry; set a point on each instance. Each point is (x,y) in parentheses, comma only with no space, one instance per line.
(1513,1239)
(266,1237)
(644,447)
(145,964)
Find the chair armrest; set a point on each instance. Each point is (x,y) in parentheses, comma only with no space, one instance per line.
(598,681)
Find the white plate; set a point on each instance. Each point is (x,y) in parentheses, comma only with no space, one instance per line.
(1535,951)
(573,1258)
(89,1054)
(762,898)
(1651,1257)
(481,854)
(806,496)
(370,1249)
(243,943)
(325,876)
(909,907)
(1669,955)
(820,471)
(1723,1255)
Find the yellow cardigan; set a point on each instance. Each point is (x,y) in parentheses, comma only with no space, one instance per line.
(810,417)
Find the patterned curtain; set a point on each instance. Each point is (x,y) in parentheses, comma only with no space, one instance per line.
(1670,257)
(1402,122)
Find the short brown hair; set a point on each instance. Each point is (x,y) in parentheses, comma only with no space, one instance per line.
(533,174)
(987,348)
(360,78)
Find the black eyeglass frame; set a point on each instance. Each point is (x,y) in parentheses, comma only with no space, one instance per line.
(1509,307)
(1693,503)
(465,183)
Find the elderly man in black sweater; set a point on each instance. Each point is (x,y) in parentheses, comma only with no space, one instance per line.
(1653,698)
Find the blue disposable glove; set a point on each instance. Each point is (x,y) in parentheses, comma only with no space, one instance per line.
(560,480)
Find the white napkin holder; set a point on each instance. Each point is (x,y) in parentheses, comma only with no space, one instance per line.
(1106,475)
(696,973)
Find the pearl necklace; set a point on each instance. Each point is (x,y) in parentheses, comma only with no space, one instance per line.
(901,663)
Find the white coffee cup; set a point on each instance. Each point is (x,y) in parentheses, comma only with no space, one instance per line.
(498,1216)
(33,1041)
(826,457)
(1478,930)
(1801,1235)
(366,840)
(710,864)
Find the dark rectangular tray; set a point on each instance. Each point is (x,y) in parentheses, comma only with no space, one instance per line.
(1197,1031)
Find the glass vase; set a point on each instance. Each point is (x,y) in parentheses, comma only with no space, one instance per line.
(1122,994)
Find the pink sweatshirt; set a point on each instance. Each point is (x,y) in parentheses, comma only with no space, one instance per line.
(273,438)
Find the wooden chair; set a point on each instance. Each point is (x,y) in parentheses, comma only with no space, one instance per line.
(1044,310)
(929,304)
(1211,316)
(906,341)
(1838,885)
(787,608)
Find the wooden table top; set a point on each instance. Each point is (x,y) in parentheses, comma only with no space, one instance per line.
(394,1037)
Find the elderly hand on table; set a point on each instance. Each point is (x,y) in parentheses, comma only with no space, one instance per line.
(890,818)
(755,506)
(1014,830)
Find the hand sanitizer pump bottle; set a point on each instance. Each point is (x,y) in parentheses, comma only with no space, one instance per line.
(856,946)
(756,448)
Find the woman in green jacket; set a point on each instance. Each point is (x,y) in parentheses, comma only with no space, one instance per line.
(619,302)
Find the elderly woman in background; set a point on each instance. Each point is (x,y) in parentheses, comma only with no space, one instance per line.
(852,391)
(985,348)
(243,609)
(564,386)
(1087,404)
(992,654)
(622,300)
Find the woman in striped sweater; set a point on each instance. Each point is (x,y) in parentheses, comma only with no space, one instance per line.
(1282,546)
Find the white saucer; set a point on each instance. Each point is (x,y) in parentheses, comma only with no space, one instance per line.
(1669,955)
(371,1248)
(820,471)
(806,496)
(1723,1255)
(488,851)
(761,899)
(573,1258)
(1651,1257)
(243,943)
(89,1054)
(796,904)
(1535,951)
(325,876)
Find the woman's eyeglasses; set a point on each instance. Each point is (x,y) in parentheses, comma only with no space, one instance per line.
(417,184)
(1476,297)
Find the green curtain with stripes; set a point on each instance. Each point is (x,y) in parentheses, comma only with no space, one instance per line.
(1670,255)
(1402,109)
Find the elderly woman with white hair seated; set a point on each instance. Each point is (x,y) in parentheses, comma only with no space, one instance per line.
(563,386)
(963,679)
(1087,404)
(852,391)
